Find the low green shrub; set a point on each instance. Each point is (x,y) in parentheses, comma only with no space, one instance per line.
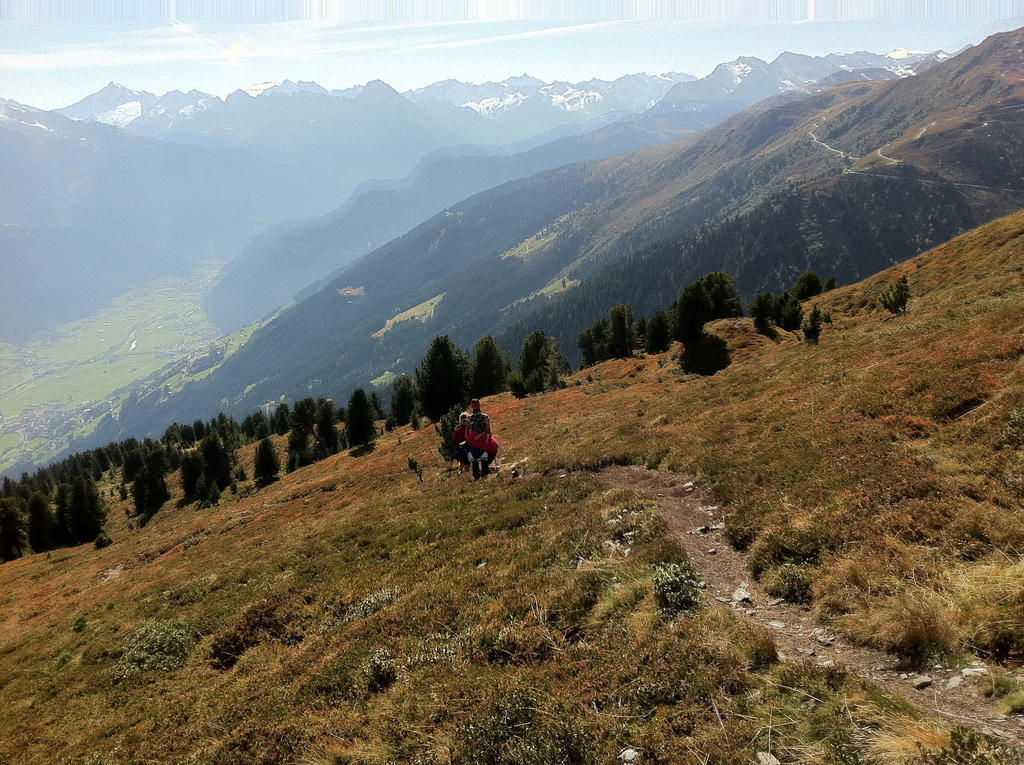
(676,588)
(159,645)
(789,582)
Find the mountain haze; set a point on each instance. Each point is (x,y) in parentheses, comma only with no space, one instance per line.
(847,180)
(284,261)
(295,257)
(94,210)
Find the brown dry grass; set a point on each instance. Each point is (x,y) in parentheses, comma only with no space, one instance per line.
(874,460)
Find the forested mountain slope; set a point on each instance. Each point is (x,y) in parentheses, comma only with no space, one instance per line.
(349,612)
(295,256)
(872,173)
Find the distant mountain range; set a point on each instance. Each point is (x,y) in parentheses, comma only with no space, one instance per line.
(844,180)
(741,83)
(334,140)
(279,264)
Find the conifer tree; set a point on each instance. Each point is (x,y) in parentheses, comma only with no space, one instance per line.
(621,340)
(325,432)
(87,510)
(541,366)
(442,379)
(830,284)
(216,461)
(812,327)
(724,298)
(711,297)
(282,420)
(63,534)
(360,427)
(762,310)
(659,334)
(807,286)
(896,296)
(445,429)
(588,349)
(267,464)
(191,473)
(13,530)
(377,407)
(40,523)
(149,487)
(298,444)
(787,312)
(403,400)
(490,368)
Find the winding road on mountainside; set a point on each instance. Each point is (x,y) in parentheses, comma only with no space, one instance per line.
(813,135)
(696,518)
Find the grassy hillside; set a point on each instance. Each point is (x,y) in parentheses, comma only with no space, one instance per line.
(349,613)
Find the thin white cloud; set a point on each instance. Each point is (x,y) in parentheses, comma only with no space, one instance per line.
(180,42)
(528,35)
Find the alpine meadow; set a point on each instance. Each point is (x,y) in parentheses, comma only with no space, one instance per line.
(405,408)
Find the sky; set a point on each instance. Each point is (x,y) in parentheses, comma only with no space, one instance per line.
(55,52)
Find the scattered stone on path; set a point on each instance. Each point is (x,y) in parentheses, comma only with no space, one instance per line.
(828,664)
(776,602)
(712,551)
(777,625)
(954,682)
(922,682)
(742,595)
(974,671)
(822,636)
(764,758)
(629,755)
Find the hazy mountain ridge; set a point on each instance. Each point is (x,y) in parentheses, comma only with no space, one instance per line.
(277,266)
(741,83)
(97,209)
(296,257)
(562,226)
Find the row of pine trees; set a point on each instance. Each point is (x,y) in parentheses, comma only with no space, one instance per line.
(62,504)
(712,296)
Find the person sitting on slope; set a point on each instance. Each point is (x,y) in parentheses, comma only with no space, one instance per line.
(480,441)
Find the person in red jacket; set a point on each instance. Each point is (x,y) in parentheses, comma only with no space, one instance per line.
(480,441)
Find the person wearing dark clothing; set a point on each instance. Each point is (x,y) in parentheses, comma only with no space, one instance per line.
(459,439)
(480,442)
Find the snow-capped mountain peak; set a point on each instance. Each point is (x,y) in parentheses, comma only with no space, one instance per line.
(902,53)
(286,87)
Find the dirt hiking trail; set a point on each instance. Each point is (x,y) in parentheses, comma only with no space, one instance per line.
(696,518)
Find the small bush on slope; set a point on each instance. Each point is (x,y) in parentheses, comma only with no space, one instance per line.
(159,645)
